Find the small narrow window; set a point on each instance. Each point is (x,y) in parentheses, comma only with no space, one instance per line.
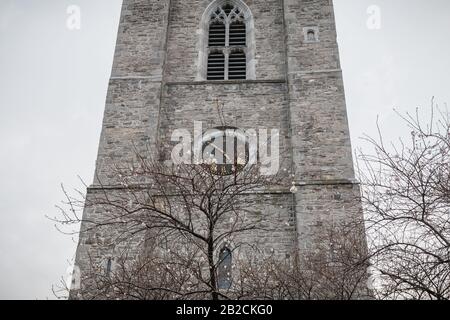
(237,68)
(311,35)
(216,66)
(225,264)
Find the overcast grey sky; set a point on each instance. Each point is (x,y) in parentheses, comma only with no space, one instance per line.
(53,84)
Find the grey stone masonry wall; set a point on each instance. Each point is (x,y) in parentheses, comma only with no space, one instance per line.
(183,39)
(133,101)
(321,140)
(250,105)
(154,89)
(141,42)
(321,149)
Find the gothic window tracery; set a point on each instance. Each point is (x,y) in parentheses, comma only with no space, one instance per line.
(227,44)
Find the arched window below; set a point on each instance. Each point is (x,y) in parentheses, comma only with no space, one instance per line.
(224,270)
(108,267)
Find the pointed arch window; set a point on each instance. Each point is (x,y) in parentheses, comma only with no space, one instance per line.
(227,48)
(108,267)
(225,268)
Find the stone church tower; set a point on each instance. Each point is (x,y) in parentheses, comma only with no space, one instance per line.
(272,63)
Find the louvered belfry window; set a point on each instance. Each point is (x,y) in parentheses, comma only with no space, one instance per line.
(217,34)
(237,66)
(238,34)
(216,66)
(227,44)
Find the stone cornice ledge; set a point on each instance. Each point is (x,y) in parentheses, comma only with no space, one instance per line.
(222,82)
(326,182)
(274,190)
(197,83)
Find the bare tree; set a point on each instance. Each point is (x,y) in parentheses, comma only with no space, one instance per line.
(184,213)
(182,216)
(406,193)
(336,270)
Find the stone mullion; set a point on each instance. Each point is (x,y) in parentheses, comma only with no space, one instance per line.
(227,62)
(227,48)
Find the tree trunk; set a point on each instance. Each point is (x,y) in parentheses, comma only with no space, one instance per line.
(212,271)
